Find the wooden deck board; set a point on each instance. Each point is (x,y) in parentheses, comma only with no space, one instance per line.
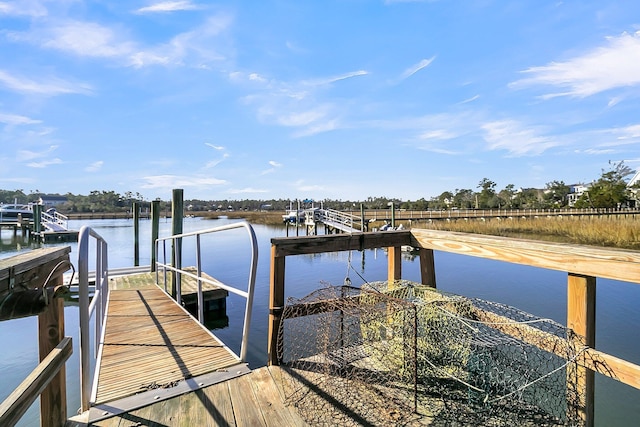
(250,400)
(151,341)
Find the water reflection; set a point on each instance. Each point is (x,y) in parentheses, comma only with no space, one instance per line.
(537,291)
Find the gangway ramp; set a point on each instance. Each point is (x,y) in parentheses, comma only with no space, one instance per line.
(342,221)
(153,349)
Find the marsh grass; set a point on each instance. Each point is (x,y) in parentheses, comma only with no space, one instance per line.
(610,231)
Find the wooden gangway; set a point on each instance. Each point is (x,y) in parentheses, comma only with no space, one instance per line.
(158,364)
(152,343)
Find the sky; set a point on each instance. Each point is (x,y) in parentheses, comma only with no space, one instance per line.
(314,99)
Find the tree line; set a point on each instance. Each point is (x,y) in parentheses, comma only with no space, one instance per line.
(610,190)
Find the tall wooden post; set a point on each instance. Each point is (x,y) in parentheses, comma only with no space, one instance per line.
(37,220)
(581,318)
(276,304)
(177,211)
(394,266)
(365,225)
(427,267)
(155,227)
(136,233)
(53,400)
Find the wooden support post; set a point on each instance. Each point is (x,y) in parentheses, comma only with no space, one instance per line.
(53,400)
(276,304)
(177,212)
(581,318)
(427,267)
(155,227)
(136,233)
(394,265)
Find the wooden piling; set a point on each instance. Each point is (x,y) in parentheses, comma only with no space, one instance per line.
(155,227)
(135,208)
(177,213)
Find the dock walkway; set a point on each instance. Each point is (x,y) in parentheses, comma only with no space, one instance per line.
(158,366)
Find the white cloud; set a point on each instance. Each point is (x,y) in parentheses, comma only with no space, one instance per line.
(94,167)
(169,6)
(275,164)
(176,181)
(79,38)
(333,79)
(14,119)
(247,190)
(50,86)
(519,140)
(216,162)
(615,65)
(44,163)
(417,67)
(29,8)
(25,155)
(215,147)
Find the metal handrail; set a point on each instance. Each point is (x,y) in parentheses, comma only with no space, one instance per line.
(178,271)
(56,218)
(96,306)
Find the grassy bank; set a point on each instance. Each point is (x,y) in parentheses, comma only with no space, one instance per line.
(619,232)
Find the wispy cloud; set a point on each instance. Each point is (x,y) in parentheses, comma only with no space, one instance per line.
(94,167)
(14,119)
(44,163)
(615,65)
(169,6)
(216,162)
(29,8)
(46,86)
(274,165)
(26,155)
(417,67)
(517,139)
(468,100)
(196,47)
(333,79)
(177,181)
(248,190)
(215,147)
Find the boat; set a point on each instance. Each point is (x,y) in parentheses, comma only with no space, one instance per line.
(11,213)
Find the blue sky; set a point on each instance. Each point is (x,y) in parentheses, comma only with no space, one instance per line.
(315,99)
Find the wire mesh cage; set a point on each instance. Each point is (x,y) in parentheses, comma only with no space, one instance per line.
(402,353)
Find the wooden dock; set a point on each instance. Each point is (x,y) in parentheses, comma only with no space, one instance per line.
(158,365)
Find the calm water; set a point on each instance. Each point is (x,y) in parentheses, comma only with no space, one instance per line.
(537,291)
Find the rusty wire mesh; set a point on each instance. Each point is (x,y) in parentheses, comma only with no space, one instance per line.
(406,354)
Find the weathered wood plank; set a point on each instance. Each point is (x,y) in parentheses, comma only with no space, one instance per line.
(246,408)
(613,264)
(31,269)
(17,403)
(285,246)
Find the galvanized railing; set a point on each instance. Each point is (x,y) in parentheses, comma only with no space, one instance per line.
(87,309)
(175,267)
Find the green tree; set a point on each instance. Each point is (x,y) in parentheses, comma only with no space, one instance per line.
(555,194)
(487,198)
(610,190)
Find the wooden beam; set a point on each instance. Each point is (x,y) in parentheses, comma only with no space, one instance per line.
(613,264)
(17,403)
(30,269)
(339,242)
(394,266)
(581,318)
(53,400)
(276,304)
(427,267)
